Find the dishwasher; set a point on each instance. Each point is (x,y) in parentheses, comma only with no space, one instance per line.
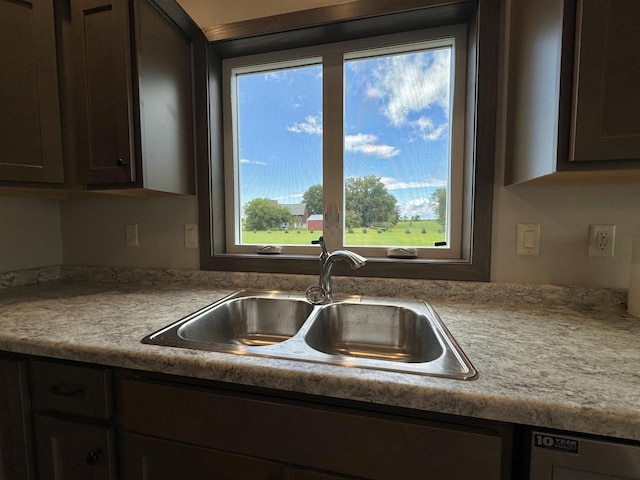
(570,457)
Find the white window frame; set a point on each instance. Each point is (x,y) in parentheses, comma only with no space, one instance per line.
(332,58)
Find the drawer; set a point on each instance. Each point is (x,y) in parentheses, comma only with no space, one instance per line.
(78,390)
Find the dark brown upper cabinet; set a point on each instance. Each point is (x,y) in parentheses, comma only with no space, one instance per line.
(30,138)
(571,78)
(102,61)
(606,121)
(131,88)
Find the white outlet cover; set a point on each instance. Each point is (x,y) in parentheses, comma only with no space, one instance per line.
(602,248)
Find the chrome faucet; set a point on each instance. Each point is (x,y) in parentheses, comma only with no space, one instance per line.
(323,293)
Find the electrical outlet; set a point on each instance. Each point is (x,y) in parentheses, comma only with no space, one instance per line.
(601,240)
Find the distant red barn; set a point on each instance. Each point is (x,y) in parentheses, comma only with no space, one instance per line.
(314,222)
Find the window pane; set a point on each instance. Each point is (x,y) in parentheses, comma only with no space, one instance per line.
(397,148)
(279,155)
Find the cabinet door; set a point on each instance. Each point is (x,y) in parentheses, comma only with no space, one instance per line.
(164,81)
(606,123)
(146,458)
(30,137)
(16,457)
(102,89)
(74,451)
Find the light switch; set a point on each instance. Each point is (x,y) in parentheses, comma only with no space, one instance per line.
(528,239)
(191,235)
(131,235)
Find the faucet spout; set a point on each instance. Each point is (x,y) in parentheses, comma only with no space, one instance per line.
(318,294)
(354,260)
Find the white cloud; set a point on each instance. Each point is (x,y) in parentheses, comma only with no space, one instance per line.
(252,162)
(293,198)
(372,92)
(276,75)
(427,129)
(418,206)
(412,83)
(367,143)
(312,125)
(394,184)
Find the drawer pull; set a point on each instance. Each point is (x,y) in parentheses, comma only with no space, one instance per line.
(93,457)
(67,390)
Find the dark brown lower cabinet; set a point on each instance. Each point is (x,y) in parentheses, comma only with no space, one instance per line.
(74,451)
(148,458)
(311,441)
(16,453)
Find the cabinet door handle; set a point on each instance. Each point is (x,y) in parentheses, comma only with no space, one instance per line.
(121,163)
(93,457)
(67,390)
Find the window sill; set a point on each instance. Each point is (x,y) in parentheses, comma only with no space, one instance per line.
(376,267)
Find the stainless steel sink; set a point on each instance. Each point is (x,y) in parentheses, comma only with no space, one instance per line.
(244,322)
(249,321)
(381,334)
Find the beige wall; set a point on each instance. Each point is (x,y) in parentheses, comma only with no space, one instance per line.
(93,231)
(564,214)
(29,233)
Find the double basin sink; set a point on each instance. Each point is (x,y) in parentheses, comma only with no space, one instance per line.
(383,334)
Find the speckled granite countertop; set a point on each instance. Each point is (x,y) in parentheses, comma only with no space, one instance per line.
(542,360)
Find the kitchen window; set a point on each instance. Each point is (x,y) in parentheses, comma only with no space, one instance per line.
(361,142)
(382,144)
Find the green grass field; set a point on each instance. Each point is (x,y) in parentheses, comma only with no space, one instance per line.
(396,236)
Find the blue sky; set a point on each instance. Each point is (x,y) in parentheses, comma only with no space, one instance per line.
(396,128)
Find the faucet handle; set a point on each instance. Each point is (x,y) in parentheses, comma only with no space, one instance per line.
(320,242)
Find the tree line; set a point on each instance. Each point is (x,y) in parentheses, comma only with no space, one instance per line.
(367,203)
